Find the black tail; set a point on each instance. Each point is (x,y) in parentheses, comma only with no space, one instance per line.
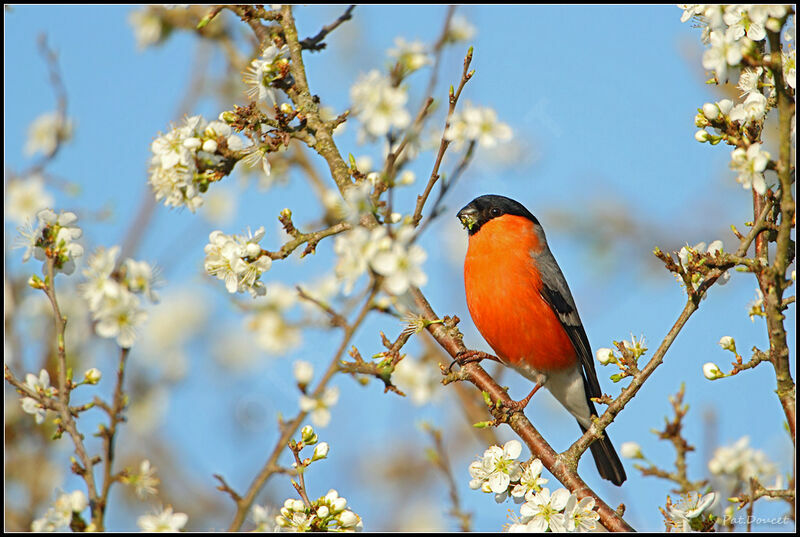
(607,460)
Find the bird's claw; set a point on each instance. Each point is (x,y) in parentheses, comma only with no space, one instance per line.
(467,357)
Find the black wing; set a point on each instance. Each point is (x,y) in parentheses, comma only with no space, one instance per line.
(557,295)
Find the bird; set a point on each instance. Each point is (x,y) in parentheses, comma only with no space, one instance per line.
(519,301)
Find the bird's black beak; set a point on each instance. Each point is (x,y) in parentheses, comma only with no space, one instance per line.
(468,216)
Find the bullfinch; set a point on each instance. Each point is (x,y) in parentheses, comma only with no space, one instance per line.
(521,304)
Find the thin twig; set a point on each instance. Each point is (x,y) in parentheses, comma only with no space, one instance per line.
(315,44)
(245,502)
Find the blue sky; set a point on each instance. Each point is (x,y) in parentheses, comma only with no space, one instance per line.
(602,101)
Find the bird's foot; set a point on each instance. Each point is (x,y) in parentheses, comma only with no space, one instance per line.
(519,406)
(467,357)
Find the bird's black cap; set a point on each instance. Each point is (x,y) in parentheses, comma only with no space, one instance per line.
(484,208)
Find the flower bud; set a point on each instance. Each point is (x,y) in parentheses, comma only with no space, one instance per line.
(338,505)
(605,356)
(702,136)
(308,435)
(303,373)
(714,247)
(773,25)
(92,376)
(36,282)
(348,519)
(210,146)
(725,106)
(406,178)
(321,451)
(727,343)
(700,121)
(631,450)
(192,143)
(711,111)
(227,116)
(711,371)
(323,511)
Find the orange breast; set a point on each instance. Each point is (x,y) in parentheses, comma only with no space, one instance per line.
(502,286)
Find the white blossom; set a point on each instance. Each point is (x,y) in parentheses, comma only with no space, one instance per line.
(264,519)
(689,507)
(355,250)
(631,450)
(272,332)
(379,106)
(417,378)
(54,238)
(357,201)
(460,29)
(690,11)
(256,155)
(165,521)
(476,124)
(303,372)
(400,264)
(237,260)
(749,79)
(740,462)
(746,20)
(496,469)
(789,60)
(754,108)
(25,197)
(144,482)
(100,266)
(756,307)
(580,515)
(182,163)
(750,164)
(59,516)
(725,51)
(411,56)
(46,132)
(263,71)
(319,407)
(140,277)
(544,511)
(119,317)
(41,386)
(530,480)
(147,27)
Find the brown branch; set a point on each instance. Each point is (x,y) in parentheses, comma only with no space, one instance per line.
(337,319)
(444,143)
(563,469)
(308,105)
(673,430)
(773,281)
(312,239)
(109,433)
(67,420)
(315,44)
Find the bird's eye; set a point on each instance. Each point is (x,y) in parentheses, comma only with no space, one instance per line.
(494,211)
